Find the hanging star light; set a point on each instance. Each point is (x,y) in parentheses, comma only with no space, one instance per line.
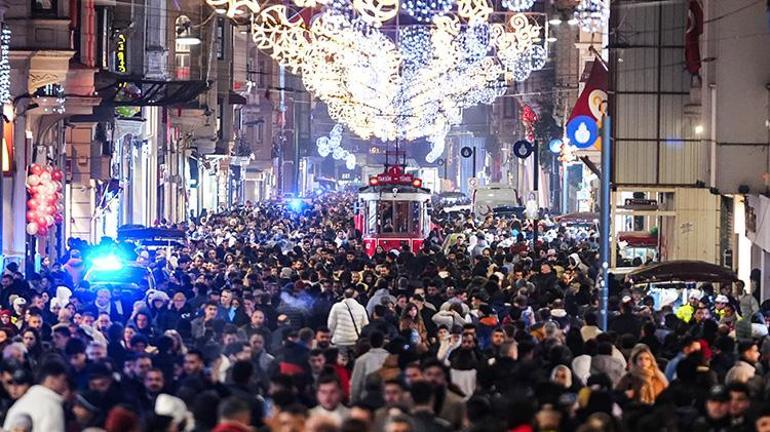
(592,15)
(5,65)
(409,84)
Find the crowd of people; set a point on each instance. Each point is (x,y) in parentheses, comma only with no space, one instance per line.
(273,318)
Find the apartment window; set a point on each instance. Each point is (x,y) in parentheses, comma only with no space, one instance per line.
(260,132)
(182,54)
(509,108)
(237,118)
(220,38)
(44,8)
(102,40)
(220,109)
(261,73)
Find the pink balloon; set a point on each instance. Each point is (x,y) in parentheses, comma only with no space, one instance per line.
(57,174)
(58,218)
(42,230)
(33,180)
(31,228)
(36,169)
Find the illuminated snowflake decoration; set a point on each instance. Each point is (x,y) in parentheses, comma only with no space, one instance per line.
(332,145)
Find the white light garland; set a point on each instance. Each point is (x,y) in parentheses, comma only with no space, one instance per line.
(425,10)
(408,85)
(517,5)
(5,65)
(592,15)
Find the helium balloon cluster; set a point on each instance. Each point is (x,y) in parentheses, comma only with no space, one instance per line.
(44,207)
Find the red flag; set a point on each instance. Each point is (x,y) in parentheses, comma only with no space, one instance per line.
(594,93)
(593,98)
(692,36)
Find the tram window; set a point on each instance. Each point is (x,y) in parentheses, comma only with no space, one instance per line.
(387,224)
(371,218)
(401,216)
(415,218)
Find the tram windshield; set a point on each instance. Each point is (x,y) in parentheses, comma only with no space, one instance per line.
(393,217)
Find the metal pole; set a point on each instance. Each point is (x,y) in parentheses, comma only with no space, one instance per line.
(604,249)
(536,190)
(474,162)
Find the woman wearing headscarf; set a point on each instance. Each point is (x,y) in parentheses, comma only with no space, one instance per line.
(644,381)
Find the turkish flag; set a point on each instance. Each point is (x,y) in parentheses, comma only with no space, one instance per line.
(594,95)
(692,36)
(593,98)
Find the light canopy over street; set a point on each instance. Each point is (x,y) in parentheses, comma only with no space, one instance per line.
(384,215)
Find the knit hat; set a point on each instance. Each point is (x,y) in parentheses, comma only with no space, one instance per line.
(154,295)
(172,406)
(286,273)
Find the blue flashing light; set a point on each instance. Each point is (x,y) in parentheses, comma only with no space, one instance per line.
(107,263)
(296,205)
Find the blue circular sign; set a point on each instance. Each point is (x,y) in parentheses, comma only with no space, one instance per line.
(582,131)
(522,149)
(555,145)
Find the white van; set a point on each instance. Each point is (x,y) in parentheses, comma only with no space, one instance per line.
(492,196)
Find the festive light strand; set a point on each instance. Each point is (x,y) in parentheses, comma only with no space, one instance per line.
(5,65)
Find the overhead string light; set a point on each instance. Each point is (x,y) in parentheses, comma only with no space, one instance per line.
(518,5)
(409,85)
(5,64)
(425,10)
(592,15)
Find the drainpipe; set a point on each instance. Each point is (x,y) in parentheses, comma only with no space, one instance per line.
(713,137)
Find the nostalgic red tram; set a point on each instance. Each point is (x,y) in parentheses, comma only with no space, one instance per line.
(393,209)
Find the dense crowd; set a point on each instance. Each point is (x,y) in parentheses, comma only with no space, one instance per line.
(273,318)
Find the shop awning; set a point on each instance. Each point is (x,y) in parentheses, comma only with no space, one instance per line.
(638,240)
(682,271)
(234,98)
(136,91)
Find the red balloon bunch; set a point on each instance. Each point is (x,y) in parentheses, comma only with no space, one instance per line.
(44,208)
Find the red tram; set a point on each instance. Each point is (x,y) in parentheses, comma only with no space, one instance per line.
(393,209)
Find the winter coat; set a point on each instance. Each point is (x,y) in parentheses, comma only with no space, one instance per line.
(608,365)
(345,331)
(43,405)
(449,319)
(368,363)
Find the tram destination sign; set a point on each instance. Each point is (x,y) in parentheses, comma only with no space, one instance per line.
(395,176)
(387,178)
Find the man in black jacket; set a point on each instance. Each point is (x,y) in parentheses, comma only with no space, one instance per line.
(626,322)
